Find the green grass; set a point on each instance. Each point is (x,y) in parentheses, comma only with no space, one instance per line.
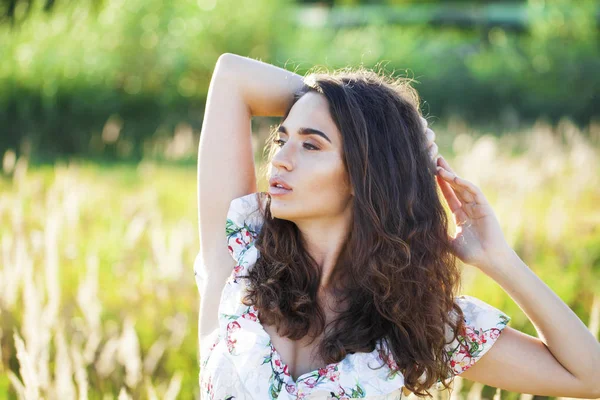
(139,221)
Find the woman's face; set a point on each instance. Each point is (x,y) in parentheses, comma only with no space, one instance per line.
(310,164)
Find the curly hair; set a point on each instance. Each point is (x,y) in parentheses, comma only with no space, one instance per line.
(396,275)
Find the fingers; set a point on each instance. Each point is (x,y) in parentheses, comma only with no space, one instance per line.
(444,164)
(424,123)
(432,147)
(433,151)
(466,191)
(430,136)
(458,184)
(451,198)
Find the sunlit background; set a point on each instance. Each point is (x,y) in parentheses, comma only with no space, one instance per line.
(101,106)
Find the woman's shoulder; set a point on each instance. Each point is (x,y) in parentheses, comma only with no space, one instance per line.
(247,210)
(478,312)
(245,218)
(483,324)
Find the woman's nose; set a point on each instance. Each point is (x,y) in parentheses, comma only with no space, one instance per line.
(282,159)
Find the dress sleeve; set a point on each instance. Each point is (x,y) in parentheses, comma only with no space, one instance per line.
(483,326)
(244,221)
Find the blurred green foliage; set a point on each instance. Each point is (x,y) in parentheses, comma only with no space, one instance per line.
(147,62)
(147,65)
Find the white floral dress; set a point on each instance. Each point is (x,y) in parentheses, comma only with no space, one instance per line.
(238,360)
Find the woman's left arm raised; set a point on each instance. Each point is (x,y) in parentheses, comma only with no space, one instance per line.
(565,360)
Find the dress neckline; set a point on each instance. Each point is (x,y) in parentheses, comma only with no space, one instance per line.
(284,365)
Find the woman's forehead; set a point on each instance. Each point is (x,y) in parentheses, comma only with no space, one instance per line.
(312,111)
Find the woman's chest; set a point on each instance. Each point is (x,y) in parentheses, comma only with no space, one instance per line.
(302,356)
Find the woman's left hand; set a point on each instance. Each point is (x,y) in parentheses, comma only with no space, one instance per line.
(432,147)
(479,240)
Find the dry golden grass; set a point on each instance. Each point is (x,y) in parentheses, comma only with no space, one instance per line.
(97,296)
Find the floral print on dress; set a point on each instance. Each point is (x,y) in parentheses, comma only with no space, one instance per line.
(483,325)
(388,359)
(208,352)
(240,362)
(243,223)
(278,372)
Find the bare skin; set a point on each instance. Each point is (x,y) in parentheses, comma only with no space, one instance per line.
(564,362)
(301,356)
(320,202)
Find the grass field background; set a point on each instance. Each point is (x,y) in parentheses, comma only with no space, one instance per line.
(97,294)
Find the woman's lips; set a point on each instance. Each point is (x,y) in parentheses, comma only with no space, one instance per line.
(277,191)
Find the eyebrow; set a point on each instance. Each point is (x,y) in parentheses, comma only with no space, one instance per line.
(305,131)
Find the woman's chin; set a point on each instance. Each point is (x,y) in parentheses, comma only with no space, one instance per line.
(279,212)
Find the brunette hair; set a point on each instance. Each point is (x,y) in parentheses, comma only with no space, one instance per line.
(396,275)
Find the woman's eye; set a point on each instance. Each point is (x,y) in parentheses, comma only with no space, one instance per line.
(280,143)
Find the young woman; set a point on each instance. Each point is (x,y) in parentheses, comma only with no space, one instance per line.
(341,281)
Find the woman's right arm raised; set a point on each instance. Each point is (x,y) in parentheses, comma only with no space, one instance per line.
(240,88)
